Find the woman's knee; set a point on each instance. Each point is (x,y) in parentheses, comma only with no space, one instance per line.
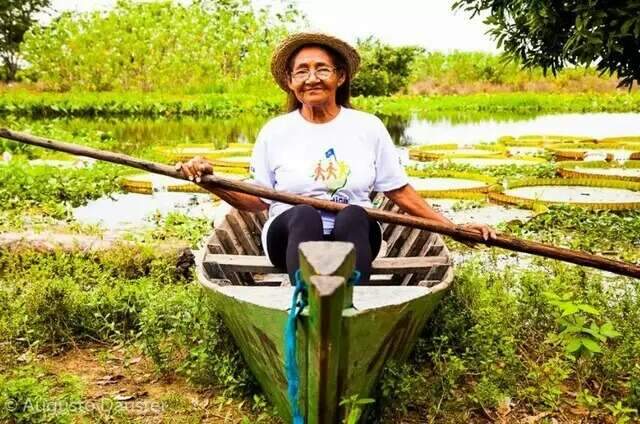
(305,215)
(351,218)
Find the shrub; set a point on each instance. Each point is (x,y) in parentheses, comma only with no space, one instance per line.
(180,330)
(203,46)
(29,396)
(492,343)
(384,70)
(26,187)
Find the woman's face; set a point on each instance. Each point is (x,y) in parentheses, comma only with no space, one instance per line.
(314,80)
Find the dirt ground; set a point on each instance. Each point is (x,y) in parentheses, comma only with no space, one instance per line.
(128,378)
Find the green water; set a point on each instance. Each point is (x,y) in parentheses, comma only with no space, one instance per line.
(137,135)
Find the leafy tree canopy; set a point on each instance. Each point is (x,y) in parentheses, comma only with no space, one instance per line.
(385,69)
(16,17)
(207,45)
(556,34)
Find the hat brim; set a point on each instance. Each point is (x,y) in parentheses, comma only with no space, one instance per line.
(293,42)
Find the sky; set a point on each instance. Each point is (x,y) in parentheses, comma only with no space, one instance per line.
(427,23)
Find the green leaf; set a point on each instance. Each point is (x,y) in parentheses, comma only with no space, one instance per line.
(608,330)
(595,333)
(569,309)
(627,25)
(588,309)
(573,345)
(591,345)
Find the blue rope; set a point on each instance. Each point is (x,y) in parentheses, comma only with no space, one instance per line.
(298,303)
(355,278)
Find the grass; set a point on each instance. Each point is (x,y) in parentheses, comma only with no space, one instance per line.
(112,384)
(462,72)
(35,104)
(492,352)
(492,348)
(504,102)
(601,232)
(22,102)
(54,302)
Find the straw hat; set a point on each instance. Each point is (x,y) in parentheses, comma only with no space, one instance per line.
(295,41)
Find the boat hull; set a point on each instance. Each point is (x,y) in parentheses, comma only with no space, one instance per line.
(373,333)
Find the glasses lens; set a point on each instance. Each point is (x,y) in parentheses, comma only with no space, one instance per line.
(301,75)
(323,73)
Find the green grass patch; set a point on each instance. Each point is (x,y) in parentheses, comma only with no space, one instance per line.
(53,192)
(125,295)
(611,233)
(35,104)
(502,102)
(31,395)
(498,340)
(91,104)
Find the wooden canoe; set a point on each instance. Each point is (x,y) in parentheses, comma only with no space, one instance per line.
(347,334)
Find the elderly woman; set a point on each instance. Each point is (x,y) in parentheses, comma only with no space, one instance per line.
(326,149)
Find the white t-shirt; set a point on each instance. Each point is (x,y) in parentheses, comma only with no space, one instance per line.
(342,160)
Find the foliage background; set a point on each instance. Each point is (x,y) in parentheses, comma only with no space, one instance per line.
(205,46)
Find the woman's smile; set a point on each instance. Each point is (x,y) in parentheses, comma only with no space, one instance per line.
(314,89)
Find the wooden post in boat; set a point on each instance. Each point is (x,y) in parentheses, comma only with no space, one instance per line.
(327,267)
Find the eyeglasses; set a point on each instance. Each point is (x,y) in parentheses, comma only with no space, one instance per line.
(322,73)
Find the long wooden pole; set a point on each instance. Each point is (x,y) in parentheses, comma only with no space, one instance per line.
(503,241)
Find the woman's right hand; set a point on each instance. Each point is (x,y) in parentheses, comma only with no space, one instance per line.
(195,168)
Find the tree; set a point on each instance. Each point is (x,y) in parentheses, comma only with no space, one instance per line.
(556,34)
(16,17)
(384,69)
(206,45)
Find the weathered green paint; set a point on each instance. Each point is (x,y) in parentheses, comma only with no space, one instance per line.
(373,338)
(259,334)
(341,350)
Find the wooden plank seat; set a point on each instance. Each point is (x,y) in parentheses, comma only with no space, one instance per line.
(261,264)
(408,256)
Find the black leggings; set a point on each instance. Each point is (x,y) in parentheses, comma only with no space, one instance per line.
(304,223)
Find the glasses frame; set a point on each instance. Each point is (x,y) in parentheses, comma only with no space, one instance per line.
(333,70)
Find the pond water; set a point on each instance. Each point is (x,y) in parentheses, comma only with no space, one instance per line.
(596,125)
(141,137)
(485,213)
(135,135)
(133,211)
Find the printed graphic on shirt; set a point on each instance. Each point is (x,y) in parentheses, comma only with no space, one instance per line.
(333,172)
(340,198)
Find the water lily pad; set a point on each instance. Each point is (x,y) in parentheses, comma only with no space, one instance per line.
(575,194)
(428,155)
(186,152)
(147,183)
(627,170)
(487,162)
(591,193)
(441,184)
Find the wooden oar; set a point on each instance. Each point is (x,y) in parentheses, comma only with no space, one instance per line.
(503,241)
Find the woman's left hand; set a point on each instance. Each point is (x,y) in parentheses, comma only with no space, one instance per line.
(486,231)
